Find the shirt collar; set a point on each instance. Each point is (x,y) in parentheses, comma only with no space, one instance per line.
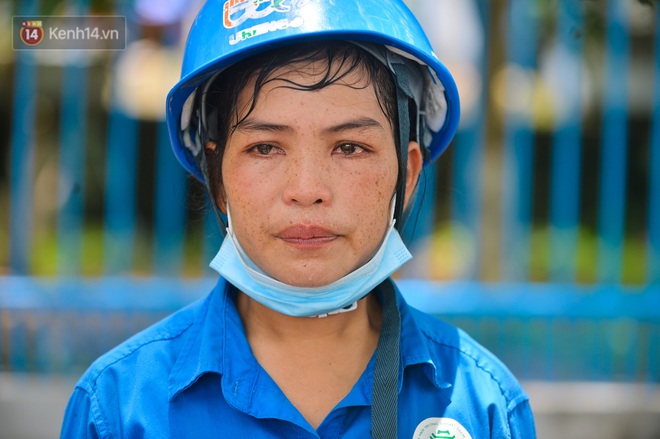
(414,346)
(217,323)
(203,348)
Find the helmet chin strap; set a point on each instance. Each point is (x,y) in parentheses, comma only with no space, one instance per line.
(385,388)
(403,94)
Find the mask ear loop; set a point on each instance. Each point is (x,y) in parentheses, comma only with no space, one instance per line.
(229,228)
(392,210)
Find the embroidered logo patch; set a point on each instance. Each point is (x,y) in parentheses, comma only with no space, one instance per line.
(441,428)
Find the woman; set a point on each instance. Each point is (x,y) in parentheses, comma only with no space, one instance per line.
(309,123)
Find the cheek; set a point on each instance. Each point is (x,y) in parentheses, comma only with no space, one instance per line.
(385,179)
(251,199)
(243,199)
(239,194)
(373,195)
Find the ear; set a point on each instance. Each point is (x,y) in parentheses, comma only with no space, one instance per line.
(220,197)
(414,168)
(221,200)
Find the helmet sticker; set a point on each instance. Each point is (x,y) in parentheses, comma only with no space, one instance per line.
(238,12)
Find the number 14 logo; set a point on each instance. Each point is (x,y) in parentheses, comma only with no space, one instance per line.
(32,32)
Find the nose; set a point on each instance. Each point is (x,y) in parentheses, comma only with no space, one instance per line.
(307,182)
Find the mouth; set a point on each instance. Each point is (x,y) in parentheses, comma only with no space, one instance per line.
(307,236)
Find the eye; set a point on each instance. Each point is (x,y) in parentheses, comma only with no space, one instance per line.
(349,149)
(265,149)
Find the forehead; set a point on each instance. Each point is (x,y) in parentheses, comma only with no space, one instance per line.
(338,107)
(310,76)
(343,77)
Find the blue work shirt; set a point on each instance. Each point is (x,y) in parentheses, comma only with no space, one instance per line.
(193,375)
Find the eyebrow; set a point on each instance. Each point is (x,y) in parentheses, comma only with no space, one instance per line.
(255,125)
(359,123)
(362,122)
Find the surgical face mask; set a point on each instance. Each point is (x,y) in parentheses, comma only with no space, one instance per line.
(237,268)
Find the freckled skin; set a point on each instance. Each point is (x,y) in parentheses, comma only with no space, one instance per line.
(308,172)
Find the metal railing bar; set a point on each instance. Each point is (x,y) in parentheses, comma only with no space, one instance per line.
(612,197)
(566,151)
(518,148)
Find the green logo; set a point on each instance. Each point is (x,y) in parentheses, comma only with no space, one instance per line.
(442,434)
(441,428)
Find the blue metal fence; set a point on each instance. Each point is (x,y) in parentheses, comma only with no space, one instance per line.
(554,330)
(541,331)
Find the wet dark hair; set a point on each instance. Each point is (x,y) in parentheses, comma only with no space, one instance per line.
(341,59)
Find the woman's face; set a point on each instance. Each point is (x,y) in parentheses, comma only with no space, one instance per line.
(309,177)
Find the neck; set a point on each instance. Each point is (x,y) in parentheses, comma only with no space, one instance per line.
(314,361)
(261,321)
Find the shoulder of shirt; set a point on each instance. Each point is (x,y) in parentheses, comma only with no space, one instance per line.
(171,327)
(445,338)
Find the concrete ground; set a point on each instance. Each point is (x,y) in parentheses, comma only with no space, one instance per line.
(595,410)
(31,407)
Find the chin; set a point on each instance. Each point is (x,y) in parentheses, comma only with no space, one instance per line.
(308,278)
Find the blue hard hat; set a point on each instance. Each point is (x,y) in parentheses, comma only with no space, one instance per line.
(228,31)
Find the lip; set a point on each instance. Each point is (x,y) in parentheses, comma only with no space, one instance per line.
(307,236)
